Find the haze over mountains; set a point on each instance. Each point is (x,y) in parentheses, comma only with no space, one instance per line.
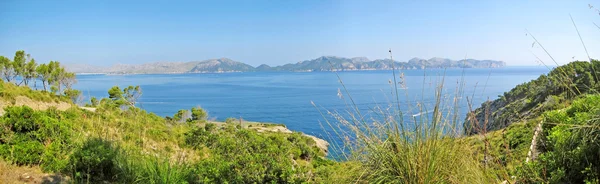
(324,63)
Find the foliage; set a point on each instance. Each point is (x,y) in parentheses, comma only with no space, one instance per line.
(126,97)
(120,143)
(93,102)
(9,92)
(572,145)
(6,68)
(73,95)
(503,151)
(131,94)
(181,115)
(246,156)
(231,120)
(34,137)
(198,114)
(94,161)
(26,68)
(531,99)
(133,146)
(149,169)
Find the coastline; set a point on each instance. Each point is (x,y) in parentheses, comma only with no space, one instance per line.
(322,144)
(273,71)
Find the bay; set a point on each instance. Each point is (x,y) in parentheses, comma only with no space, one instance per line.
(285,97)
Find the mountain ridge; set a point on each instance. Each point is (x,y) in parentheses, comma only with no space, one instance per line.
(323,63)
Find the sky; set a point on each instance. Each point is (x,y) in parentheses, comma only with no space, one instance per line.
(278,32)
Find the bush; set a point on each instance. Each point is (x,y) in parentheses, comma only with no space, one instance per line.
(572,149)
(20,119)
(34,137)
(55,158)
(94,161)
(150,169)
(27,152)
(230,120)
(246,156)
(198,114)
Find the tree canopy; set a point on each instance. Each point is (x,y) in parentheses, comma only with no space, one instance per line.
(23,70)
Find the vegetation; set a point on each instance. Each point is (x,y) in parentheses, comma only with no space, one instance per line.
(394,150)
(118,142)
(565,105)
(121,143)
(531,99)
(23,70)
(571,153)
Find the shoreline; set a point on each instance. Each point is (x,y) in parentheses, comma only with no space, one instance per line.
(322,144)
(297,71)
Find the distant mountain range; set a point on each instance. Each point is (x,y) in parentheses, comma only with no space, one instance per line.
(325,63)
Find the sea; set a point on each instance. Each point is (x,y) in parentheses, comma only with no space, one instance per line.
(309,101)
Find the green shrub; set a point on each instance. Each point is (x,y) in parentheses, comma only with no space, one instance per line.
(94,161)
(246,156)
(27,152)
(34,137)
(572,152)
(55,158)
(230,120)
(20,119)
(198,114)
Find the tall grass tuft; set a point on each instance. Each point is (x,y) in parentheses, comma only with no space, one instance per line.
(152,169)
(395,149)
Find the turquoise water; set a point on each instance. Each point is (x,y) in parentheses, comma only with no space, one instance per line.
(285,97)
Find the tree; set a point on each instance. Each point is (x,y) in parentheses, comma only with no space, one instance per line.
(7,68)
(30,71)
(44,74)
(53,75)
(57,76)
(73,94)
(115,93)
(127,96)
(67,79)
(19,64)
(181,115)
(52,66)
(94,102)
(131,94)
(116,96)
(57,73)
(198,114)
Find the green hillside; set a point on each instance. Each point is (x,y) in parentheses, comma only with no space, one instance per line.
(111,140)
(529,100)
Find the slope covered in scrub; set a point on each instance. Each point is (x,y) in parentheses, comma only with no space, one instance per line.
(531,99)
(124,144)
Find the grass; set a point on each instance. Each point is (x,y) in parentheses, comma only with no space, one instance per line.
(9,92)
(129,145)
(392,149)
(133,146)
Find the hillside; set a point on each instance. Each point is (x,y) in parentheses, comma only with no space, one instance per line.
(120,143)
(529,100)
(325,63)
(545,130)
(206,66)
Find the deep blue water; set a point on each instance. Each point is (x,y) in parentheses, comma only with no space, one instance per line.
(285,97)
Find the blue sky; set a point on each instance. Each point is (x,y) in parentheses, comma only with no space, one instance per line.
(278,32)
